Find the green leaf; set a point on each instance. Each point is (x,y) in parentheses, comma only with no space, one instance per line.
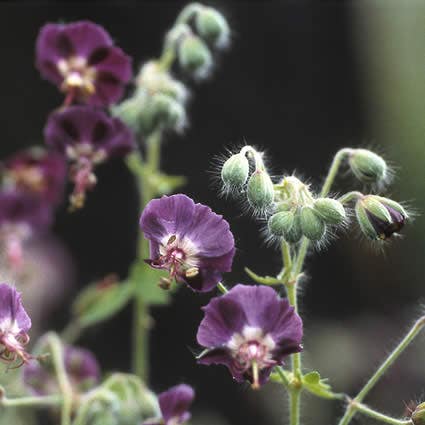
(100,301)
(145,280)
(275,376)
(313,383)
(264,280)
(165,184)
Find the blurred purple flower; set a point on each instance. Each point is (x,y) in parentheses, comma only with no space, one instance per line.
(81,59)
(80,364)
(250,330)
(174,404)
(189,240)
(87,137)
(14,325)
(38,172)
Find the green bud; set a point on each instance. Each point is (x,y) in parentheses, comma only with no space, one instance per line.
(280,223)
(212,27)
(418,416)
(194,56)
(130,110)
(378,217)
(235,171)
(163,111)
(312,225)
(260,190)
(330,210)
(367,166)
(294,233)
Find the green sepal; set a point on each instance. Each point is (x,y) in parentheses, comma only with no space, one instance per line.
(264,280)
(275,376)
(313,383)
(98,302)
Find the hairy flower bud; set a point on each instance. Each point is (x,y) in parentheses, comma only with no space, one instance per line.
(235,171)
(378,217)
(194,56)
(367,166)
(260,190)
(312,225)
(330,210)
(418,415)
(213,27)
(281,222)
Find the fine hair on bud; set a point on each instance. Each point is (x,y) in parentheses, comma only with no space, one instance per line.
(212,26)
(330,210)
(260,191)
(194,57)
(312,225)
(234,172)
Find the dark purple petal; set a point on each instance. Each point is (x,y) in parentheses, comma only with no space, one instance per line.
(222,356)
(224,317)
(82,365)
(11,308)
(175,402)
(37,379)
(82,124)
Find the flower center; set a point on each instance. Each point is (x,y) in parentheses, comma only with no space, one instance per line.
(12,342)
(77,75)
(178,256)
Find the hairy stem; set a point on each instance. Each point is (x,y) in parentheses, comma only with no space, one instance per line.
(361,408)
(41,401)
(352,407)
(294,406)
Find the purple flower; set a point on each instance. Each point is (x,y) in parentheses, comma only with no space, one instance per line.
(189,240)
(22,215)
(38,172)
(81,59)
(14,325)
(87,136)
(250,330)
(81,367)
(174,404)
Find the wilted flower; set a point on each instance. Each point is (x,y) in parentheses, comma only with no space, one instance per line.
(14,325)
(81,367)
(38,172)
(82,61)
(87,137)
(250,330)
(22,216)
(174,404)
(189,240)
(379,217)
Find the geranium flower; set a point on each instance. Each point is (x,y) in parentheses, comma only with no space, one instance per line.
(174,405)
(87,137)
(38,172)
(250,330)
(81,367)
(189,240)
(14,325)
(81,59)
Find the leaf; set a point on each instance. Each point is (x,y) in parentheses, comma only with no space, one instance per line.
(145,280)
(165,184)
(313,383)
(275,376)
(101,300)
(265,280)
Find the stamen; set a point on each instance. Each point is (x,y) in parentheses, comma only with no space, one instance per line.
(192,272)
(172,239)
(255,375)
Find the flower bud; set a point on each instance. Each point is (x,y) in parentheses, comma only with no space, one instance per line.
(280,223)
(260,190)
(379,217)
(312,226)
(418,415)
(330,210)
(367,166)
(235,171)
(212,27)
(194,56)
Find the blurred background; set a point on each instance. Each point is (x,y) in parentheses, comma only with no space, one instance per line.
(301,80)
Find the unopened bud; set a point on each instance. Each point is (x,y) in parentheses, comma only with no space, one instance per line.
(378,217)
(330,210)
(367,166)
(235,171)
(418,415)
(213,27)
(194,56)
(312,225)
(280,223)
(260,190)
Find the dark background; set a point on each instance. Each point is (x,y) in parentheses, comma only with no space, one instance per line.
(295,82)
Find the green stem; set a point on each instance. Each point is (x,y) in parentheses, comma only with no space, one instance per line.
(64,384)
(42,401)
(380,416)
(333,170)
(294,406)
(351,408)
(222,288)
(348,197)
